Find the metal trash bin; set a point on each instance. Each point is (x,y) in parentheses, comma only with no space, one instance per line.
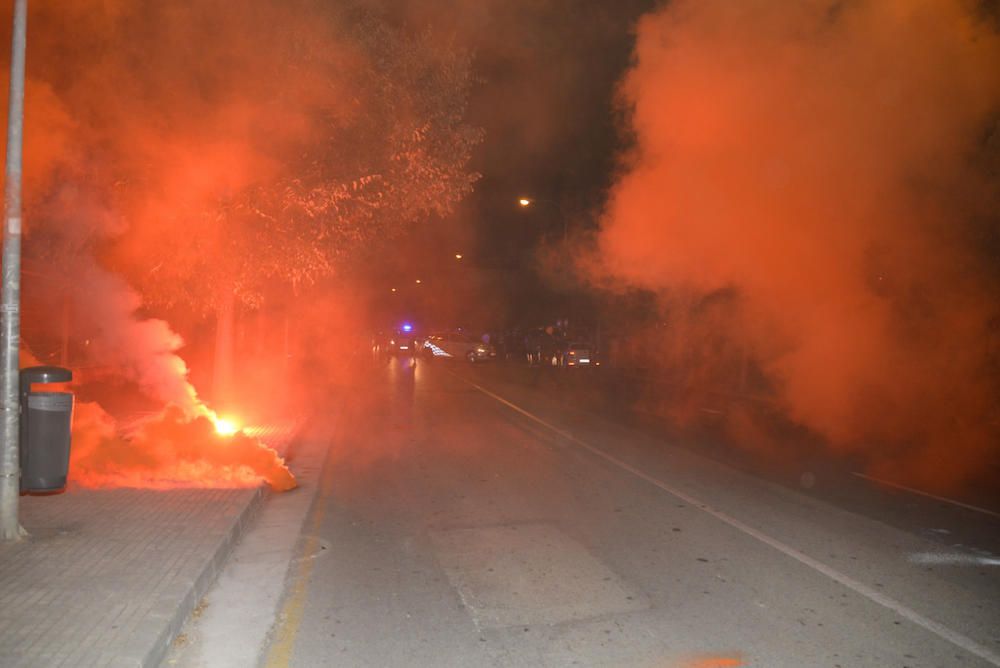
(46,418)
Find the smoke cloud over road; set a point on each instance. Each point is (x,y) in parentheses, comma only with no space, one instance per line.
(813,188)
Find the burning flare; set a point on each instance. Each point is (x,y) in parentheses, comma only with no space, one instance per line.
(224,426)
(171,450)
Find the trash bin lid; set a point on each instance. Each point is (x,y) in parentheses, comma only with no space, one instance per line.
(45,374)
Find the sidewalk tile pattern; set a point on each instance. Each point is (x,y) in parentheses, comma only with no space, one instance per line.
(107,576)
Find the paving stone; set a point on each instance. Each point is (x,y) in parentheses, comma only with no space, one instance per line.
(107,577)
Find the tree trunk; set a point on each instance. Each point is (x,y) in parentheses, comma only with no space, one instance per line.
(286,349)
(222,381)
(64,331)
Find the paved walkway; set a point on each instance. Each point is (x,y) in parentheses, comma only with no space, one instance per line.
(107,577)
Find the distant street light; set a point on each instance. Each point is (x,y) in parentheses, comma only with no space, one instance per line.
(394,289)
(419,281)
(458,256)
(525,202)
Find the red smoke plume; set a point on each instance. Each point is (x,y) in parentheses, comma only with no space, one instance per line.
(827,171)
(177,448)
(142,122)
(171,450)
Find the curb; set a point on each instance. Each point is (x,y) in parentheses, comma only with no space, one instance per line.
(200,585)
(275,530)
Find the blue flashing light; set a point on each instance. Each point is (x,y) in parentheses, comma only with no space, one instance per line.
(407,327)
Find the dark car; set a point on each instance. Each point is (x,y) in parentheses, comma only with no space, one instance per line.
(575,354)
(396,342)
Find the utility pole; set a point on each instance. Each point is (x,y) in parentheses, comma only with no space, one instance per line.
(10,311)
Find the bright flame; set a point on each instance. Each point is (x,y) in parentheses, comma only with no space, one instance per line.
(524,201)
(171,450)
(225,426)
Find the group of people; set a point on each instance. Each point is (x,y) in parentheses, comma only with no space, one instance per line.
(535,345)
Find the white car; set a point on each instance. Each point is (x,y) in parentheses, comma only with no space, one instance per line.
(458,345)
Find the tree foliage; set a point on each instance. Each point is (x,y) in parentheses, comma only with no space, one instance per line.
(395,157)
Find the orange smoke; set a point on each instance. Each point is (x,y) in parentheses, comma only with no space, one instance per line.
(169,451)
(829,168)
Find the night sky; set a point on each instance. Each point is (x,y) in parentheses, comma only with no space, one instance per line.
(546,100)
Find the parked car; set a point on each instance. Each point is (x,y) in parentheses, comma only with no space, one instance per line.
(458,345)
(576,354)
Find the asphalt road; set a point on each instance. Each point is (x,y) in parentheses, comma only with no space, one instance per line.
(465,519)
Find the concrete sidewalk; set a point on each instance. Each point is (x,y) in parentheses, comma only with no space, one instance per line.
(107,577)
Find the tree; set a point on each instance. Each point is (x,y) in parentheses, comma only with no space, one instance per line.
(394,157)
(208,155)
(398,158)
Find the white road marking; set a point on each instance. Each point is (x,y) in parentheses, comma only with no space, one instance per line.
(939,558)
(957,639)
(927,494)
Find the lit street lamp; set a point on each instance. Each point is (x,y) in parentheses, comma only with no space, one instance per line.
(525,202)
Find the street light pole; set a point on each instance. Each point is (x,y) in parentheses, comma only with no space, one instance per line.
(10,312)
